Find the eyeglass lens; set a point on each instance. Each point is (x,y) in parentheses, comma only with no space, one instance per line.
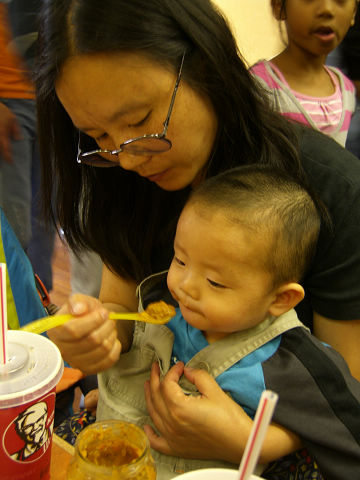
(146,145)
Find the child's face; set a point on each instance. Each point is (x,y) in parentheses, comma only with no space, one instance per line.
(217,275)
(318,26)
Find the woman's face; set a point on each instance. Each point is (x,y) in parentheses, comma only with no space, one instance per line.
(116,97)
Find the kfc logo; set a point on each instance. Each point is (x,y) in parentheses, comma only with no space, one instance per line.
(28,436)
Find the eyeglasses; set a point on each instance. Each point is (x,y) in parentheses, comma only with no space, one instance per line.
(144,145)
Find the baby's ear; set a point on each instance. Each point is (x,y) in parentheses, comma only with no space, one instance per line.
(286,297)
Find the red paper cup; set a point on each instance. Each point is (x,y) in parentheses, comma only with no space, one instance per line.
(27,404)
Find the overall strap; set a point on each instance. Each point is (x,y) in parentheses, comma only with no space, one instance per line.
(224,353)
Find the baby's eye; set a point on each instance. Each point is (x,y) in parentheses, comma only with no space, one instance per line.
(139,124)
(215,284)
(178,261)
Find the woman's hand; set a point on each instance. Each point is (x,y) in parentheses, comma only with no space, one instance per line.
(211,425)
(88,341)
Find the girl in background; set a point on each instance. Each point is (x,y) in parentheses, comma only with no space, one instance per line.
(302,87)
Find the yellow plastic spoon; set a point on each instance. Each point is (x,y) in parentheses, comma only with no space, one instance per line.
(157,312)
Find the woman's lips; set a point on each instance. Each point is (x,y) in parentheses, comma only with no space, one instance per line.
(157,176)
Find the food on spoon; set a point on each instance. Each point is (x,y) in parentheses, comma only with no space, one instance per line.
(160,312)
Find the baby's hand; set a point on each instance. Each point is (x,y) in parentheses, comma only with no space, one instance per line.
(91,400)
(89,340)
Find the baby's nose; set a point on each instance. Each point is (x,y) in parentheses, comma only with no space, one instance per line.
(189,287)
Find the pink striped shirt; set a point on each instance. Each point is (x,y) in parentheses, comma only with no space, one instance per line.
(331,115)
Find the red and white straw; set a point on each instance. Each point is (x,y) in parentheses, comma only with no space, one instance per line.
(262,419)
(3,308)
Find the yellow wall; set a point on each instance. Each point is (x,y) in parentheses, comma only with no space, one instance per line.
(254,27)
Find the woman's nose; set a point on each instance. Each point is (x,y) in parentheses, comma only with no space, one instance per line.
(126,159)
(130,161)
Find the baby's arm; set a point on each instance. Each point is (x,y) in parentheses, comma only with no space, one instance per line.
(91,400)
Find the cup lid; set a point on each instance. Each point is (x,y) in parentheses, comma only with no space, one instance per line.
(34,367)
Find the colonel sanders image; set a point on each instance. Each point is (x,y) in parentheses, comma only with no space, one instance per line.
(30,425)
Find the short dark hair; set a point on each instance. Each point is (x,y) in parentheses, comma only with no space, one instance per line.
(269,202)
(128,220)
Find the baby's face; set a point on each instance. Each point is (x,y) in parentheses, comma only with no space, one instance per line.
(217,274)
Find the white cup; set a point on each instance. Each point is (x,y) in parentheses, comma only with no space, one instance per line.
(27,405)
(213,474)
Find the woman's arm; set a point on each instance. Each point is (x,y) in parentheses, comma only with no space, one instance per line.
(90,341)
(118,292)
(343,336)
(119,295)
(211,425)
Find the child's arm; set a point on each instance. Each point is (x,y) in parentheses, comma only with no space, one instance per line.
(91,400)
(208,426)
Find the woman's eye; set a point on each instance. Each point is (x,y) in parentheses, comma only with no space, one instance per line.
(139,124)
(215,284)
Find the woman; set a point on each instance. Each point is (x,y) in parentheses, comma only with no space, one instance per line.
(115,70)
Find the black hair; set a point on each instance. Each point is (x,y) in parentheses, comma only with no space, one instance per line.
(270,203)
(128,220)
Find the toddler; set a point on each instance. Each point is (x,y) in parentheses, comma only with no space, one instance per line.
(243,243)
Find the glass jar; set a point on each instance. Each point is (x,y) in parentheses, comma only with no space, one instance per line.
(112,450)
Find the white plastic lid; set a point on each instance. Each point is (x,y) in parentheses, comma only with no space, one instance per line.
(34,367)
